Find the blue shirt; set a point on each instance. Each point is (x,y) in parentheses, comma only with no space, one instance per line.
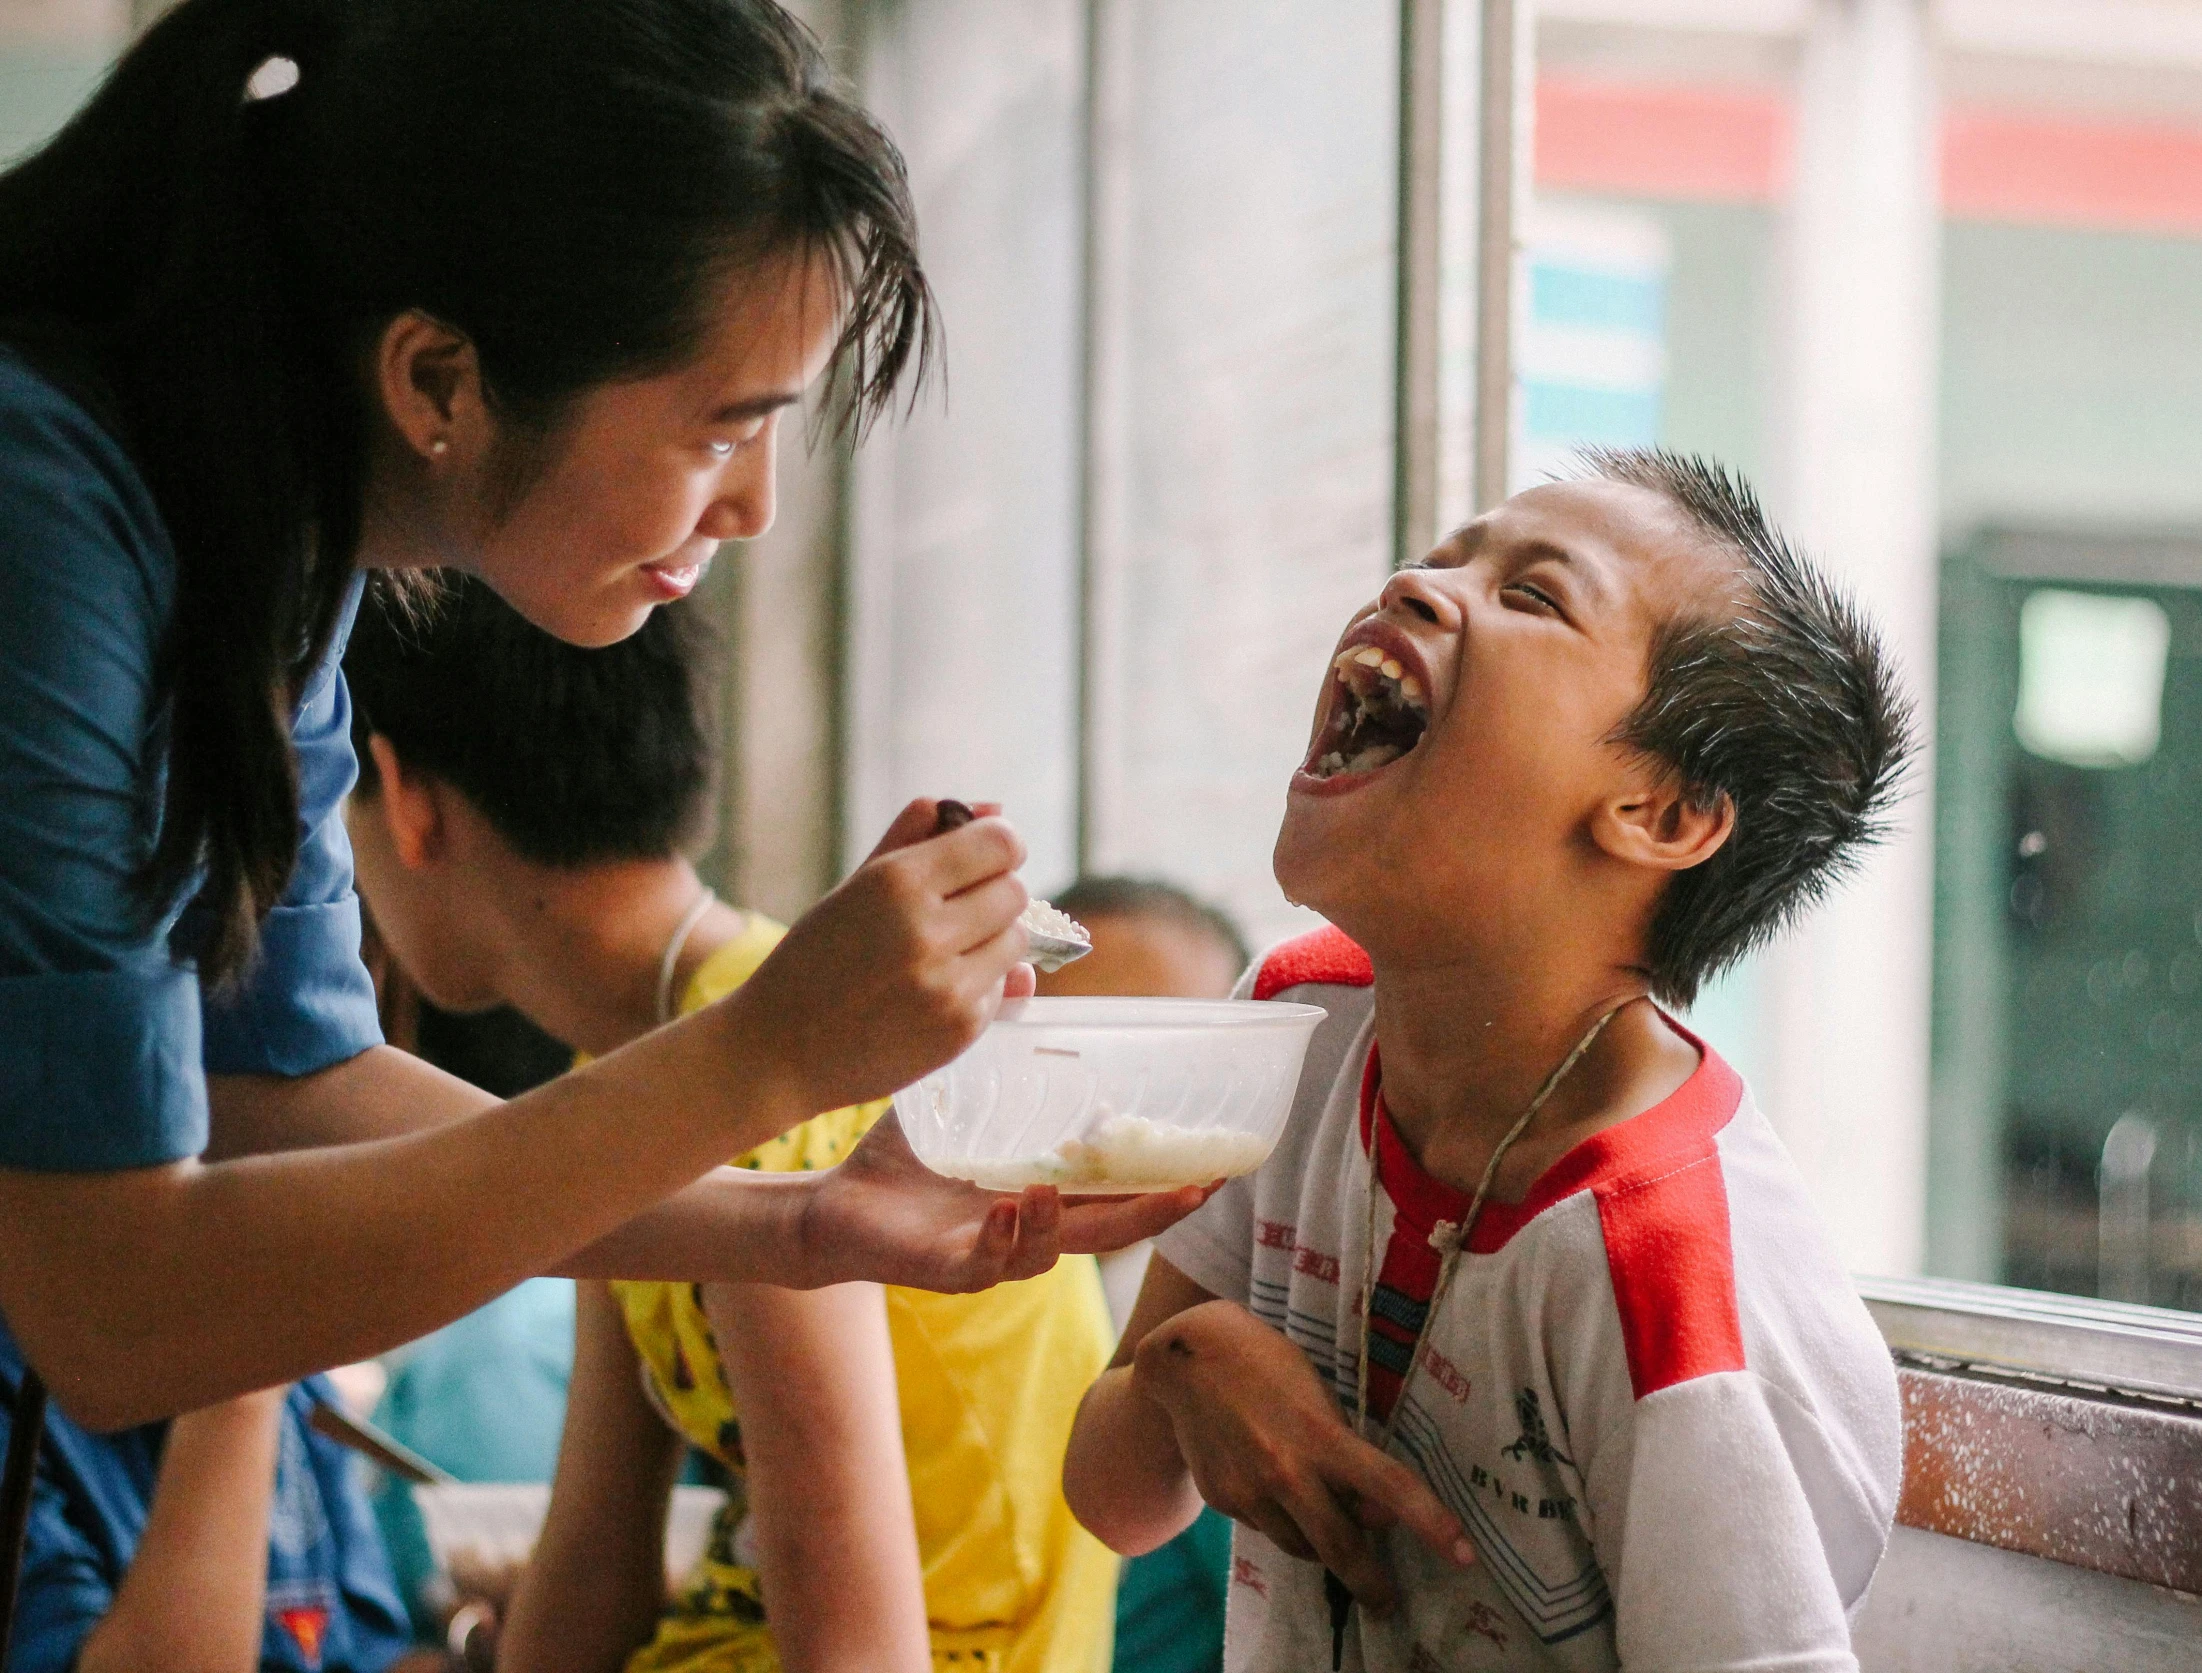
(105,1037)
(331,1607)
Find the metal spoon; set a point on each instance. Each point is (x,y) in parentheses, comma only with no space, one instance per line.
(1049,943)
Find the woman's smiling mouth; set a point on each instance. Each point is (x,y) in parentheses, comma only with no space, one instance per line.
(676,580)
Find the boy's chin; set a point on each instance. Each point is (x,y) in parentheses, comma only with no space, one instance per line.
(1313,868)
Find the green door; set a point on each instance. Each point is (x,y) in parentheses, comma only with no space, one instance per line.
(2068,908)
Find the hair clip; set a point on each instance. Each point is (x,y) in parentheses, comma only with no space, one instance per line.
(275,77)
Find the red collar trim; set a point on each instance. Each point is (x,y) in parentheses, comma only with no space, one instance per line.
(1682,1125)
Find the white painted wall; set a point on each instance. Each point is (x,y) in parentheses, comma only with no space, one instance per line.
(961,652)
(1846,1002)
(1246,418)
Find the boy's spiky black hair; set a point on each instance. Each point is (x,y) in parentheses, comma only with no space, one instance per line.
(1785,704)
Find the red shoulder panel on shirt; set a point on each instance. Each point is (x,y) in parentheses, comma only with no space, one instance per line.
(1674,1272)
(1326,956)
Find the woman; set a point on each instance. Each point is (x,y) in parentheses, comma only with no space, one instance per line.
(313,288)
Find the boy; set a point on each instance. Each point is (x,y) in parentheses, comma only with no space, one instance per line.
(1602,742)
(521,829)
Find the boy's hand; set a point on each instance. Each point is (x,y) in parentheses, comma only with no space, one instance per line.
(1266,1446)
(900,968)
(884,1216)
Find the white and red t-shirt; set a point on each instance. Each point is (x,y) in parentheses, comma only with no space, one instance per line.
(1652,1394)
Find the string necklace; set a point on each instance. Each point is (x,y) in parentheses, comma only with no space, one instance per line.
(1449,1240)
(681,932)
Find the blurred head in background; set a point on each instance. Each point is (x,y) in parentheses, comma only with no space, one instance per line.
(1150,940)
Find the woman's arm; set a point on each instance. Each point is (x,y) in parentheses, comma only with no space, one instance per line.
(146,1291)
(596,1585)
(193,1599)
(813,1376)
(881,1216)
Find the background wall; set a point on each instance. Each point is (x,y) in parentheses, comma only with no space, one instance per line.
(1927,270)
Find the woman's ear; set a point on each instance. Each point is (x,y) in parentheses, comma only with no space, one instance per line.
(410,805)
(1655,825)
(430,382)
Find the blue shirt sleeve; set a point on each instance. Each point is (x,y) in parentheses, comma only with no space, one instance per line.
(105,1041)
(307,1001)
(99,1029)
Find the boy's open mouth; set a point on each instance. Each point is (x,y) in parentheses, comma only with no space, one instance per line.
(1378,714)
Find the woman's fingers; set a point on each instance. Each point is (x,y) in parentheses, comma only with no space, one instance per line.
(1039,1232)
(996,1247)
(979,852)
(1100,1225)
(913,825)
(970,920)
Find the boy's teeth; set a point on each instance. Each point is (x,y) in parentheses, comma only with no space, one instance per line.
(1368,656)
(1393,670)
(1411,689)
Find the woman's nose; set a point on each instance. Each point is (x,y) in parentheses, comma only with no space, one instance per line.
(743,506)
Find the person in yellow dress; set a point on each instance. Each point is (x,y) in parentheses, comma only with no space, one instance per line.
(894,1456)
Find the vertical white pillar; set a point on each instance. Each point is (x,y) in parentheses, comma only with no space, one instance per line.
(1848,999)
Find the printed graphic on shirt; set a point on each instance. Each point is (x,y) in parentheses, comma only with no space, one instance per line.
(300,1611)
(1535,1441)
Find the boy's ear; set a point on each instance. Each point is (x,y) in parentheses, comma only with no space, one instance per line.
(410,805)
(1653,824)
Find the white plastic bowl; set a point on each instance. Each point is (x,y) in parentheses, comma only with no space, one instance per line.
(1112,1094)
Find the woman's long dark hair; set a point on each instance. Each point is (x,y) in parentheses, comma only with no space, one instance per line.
(566,182)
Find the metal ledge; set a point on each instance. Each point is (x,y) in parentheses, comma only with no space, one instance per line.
(2079,1479)
(2147,1352)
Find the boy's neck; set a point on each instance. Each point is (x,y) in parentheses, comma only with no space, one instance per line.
(1467,1043)
(584,947)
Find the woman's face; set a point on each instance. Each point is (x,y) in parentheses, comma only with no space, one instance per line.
(643,479)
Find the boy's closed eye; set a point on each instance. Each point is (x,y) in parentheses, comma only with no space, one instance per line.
(1535,595)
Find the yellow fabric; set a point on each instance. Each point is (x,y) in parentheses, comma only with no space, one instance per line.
(988,1384)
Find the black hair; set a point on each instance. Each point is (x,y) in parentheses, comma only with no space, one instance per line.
(1782,701)
(573,755)
(565,182)
(1150,897)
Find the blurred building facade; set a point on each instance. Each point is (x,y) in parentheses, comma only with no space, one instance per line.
(1930,271)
